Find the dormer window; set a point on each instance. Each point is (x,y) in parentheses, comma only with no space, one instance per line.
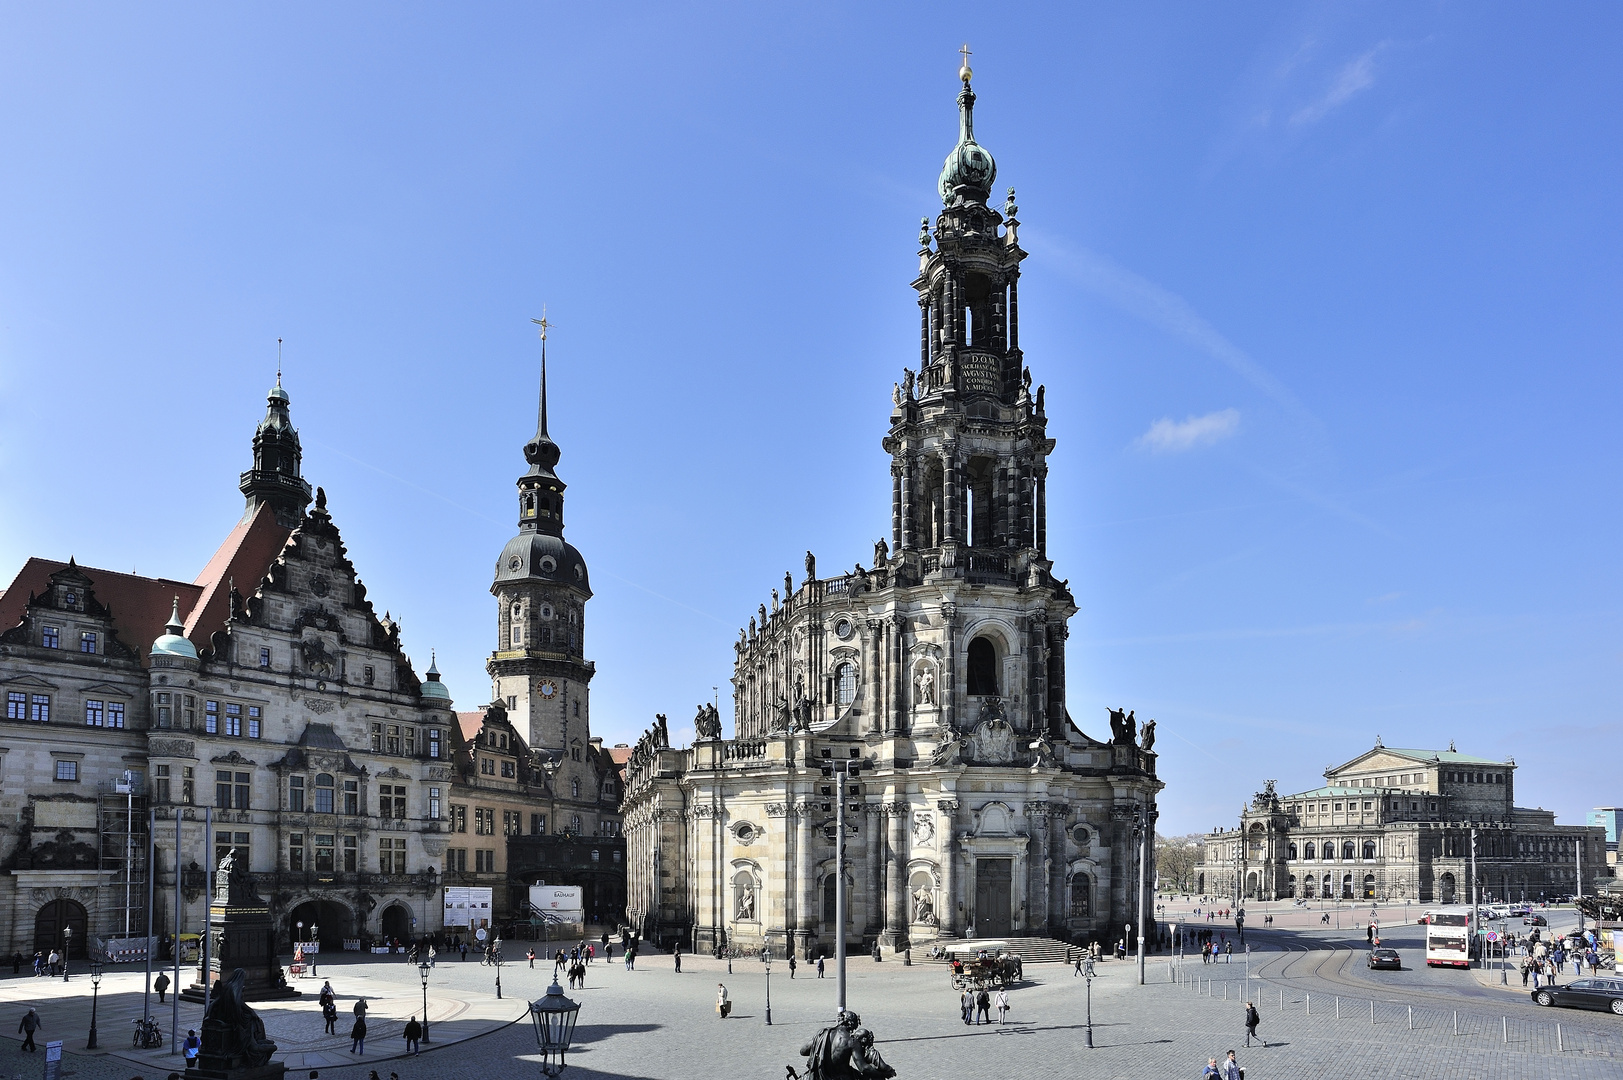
(50,637)
(87,641)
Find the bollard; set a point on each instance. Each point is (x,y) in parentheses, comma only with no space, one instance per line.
(1560,1043)
(1225,991)
(1308,999)
(1456,1021)
(1504,1023)
(1411,1017)
(1282,1001)
(1372,1014)
(1338,1008)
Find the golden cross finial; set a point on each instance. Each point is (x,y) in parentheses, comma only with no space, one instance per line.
(543,323)
(964,73)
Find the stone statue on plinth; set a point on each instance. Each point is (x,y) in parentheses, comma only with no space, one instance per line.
(843,1052)
(233,1034)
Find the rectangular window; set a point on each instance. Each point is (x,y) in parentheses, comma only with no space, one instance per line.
(433,804)
(225,841)
(459,818)
(393,744)
(92,712)
(16,705)
(222,789)
(295,794)
(233,718)
(188,785)
(392,800)
(351,858)
(211,717)
(87,641)
(484,861)
(325,859)
(242,786)
(538,824)
(366,674)
(50,637)
(115,714)
(67,769)
(352,797)
(323,794)
(434,743)
(392,856)
(411,742)
(456,861)
(39,708)
(295,851)
(264,657)
(487,767)
(512,822)
(254,718)
(484,821)
(509,769)
(161,780)
(377,738)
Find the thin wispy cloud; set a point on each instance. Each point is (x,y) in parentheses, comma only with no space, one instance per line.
(1169,436)
(1354,77)
(1169,312)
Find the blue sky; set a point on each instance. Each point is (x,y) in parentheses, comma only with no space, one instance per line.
(1325,297)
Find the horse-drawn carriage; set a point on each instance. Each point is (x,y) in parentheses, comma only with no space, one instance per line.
(983,965)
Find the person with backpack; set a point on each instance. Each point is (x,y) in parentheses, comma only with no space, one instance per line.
(191,1048)
(329,1013)
(161,985)
(1251,1022)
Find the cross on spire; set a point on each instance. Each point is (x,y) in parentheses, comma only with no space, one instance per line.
(964,73)
(543,323)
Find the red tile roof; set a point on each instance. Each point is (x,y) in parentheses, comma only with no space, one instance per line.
(140,605)
(244,558)
(470,723)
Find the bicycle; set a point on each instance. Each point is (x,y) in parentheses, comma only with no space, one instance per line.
(147,1036)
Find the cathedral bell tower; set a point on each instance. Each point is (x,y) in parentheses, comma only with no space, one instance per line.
(538,670)
(275,478)
(968,441)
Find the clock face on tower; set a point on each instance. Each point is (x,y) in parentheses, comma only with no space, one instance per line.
(548,689)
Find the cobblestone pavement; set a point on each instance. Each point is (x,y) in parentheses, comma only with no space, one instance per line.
(653,1023)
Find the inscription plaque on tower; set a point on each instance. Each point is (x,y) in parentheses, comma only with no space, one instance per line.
(980,373)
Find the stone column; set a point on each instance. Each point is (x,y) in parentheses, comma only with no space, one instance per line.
(1014,313)
(949,485)
(1037,671)
(1041,539)
(947,689)
(951,921)
(878,714)
(924,331)
(897,502)
(872,888)
(1036,899)
(807,914)
(900,815)
(1057,633)
(901,678)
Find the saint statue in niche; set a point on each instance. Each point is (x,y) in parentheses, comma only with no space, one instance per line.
(924,686)
(746,902)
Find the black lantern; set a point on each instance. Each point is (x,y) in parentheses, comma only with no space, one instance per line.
(95,995)
(554,1017)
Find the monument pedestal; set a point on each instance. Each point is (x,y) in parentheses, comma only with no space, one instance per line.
(241,935)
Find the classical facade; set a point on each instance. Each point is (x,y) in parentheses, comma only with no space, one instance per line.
(267,693)
(528,763)
(1403,824)
(981,810)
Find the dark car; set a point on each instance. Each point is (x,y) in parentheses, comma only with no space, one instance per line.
(1600,994)
(1535,920)
(1386,958)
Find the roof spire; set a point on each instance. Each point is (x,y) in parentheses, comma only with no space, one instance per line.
(174,625)
(541,423)
(278,361)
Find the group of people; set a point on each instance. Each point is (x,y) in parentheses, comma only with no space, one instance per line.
(1543,962)
(977,1005)
(45,964)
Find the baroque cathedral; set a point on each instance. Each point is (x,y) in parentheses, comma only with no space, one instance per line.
(981,810)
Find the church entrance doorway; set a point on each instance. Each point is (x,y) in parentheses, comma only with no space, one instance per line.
(322,920)
(52,920)
(397,923)
(994,888)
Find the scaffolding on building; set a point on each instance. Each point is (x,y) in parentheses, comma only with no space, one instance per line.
(121,817)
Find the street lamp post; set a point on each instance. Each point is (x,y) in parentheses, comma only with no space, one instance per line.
(766,959)
(423,970)
(554,1019)
(1087,971)
(95,995)
(496,961)
(67,947)
(839,771)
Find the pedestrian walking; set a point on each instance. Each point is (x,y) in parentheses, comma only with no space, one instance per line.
(161,985)
(360,1008)
(329,1014)
(357,1034)
(819,967)
(1231,1068)
(191,1047)
(1002,1004)
(966,1005)
(1210,1072)
(463,949)
(31,1023)
(16,963)
(791,963)
(983,1008)
(723,1006)
(56,960)
(676,956)
(433,954)
(1251,1022)
(414,1035)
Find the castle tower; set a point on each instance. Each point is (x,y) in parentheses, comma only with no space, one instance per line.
(538,671)
(275,478)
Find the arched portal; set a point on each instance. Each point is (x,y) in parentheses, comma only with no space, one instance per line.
(1446,886)
(982,668)
(1251,885)
(1369,886)
(397,922)
(52,920)
(326,920)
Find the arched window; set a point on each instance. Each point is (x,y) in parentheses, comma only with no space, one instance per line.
(1346,887)
(845,684)
(1309,850)
(324,793)
(1081,897)
(1347,850)
(1293,851)
(1369,849)
(982,668)
(574,789)
(517,625)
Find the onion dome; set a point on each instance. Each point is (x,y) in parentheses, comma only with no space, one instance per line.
(432,687)
(173,642)
(969,171)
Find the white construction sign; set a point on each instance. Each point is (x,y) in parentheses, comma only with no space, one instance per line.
(467,906)
(557,903)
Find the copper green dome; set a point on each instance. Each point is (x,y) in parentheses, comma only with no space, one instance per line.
(969,171)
